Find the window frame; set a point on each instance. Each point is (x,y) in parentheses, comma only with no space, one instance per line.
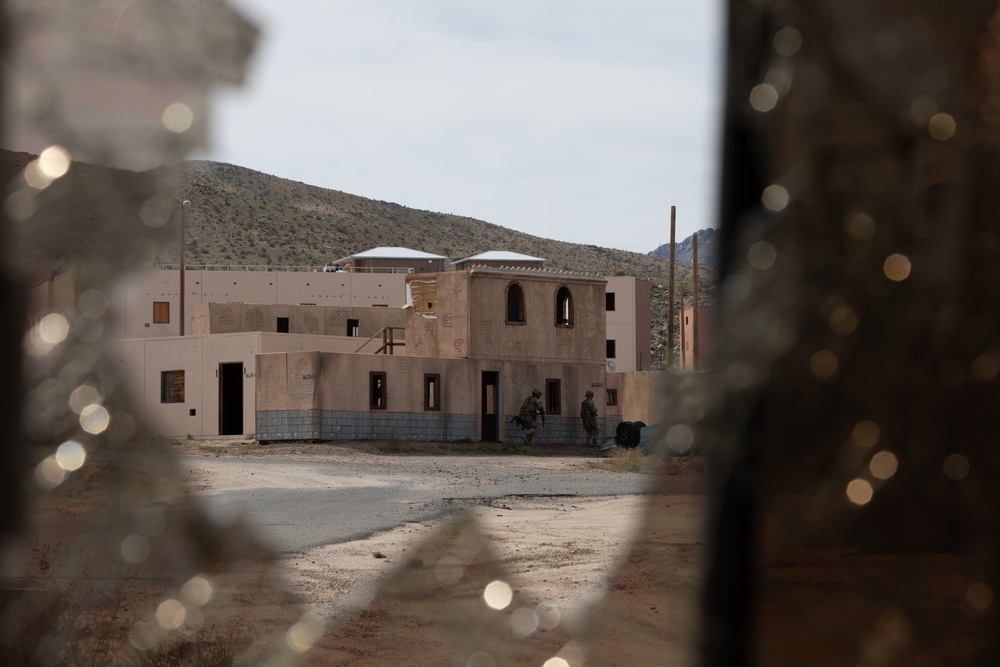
(432,392)
(611,397)
(609,302)
(564,307)
(169,393)
(161,312)
(520,306)
(378,398)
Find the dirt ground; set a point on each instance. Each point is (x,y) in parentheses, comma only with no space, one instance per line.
(561,555)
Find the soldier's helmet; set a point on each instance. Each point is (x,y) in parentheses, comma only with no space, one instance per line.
(589,394)
(536,393)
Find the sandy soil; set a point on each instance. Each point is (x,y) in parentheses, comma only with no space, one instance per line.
(561,555)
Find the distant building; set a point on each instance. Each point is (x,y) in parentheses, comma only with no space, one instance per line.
(500,259)
(696,348)
(443,332)
(393,260)
(627,308)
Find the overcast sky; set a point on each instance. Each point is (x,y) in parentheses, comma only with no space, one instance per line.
(576,120)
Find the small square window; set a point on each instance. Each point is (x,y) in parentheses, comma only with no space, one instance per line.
(172,387)
(161,312)
(377,393)
(353,328)
(612,397)
(282,325)
(432,392)
(611,349)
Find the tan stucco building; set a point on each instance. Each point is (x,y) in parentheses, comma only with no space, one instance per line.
(470,360)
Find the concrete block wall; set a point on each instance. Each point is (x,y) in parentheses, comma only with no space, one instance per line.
(288,425)
(561,430)
(276,425)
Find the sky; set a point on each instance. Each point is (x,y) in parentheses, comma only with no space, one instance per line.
(576,120)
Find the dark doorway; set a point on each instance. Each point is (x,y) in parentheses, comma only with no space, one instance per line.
(282,325)
(231,398)
(491,406)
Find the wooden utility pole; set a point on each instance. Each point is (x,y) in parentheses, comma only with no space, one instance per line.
(694,297)
(670,291)
(683,363)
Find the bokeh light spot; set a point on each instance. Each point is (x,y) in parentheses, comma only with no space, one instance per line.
(775,198)
(763,97)
(449,570)
(303,635)
(762,255)
(196,591)
(94,419)
(883,465)
(49,474)
(156,212)
(941,126)
(956,467)
(860,226)
(524,621)
(843,320)
(83,396)
(860,492)
(498,594)
(866,433)
(787,41)
(35,176)
(178,117)
(680,437)
(979,596)
(70,455)
(54,162)
(53,329)
(136,549)
(896,267)
(170,614)
(92,303)
(824,364)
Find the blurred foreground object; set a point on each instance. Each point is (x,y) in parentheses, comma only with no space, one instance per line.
(857,384)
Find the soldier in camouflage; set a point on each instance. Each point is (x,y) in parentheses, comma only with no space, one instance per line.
(588,415)
(531,407)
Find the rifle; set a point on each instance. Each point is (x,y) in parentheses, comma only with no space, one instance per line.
(542,413)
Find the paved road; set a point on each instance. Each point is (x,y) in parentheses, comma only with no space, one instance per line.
(306,503)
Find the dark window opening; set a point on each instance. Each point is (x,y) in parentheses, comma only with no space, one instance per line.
(553,397)
(609,301)
(161,312)
(432,392)
(172,387)
(376,395)
(282,325)
(515,304)
(611,349)
(612,397)
(353,328)
(564,307)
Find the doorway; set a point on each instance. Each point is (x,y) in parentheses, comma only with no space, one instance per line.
(231,398)
(491,406)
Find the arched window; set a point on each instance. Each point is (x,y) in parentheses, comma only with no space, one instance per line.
(515,304)
(564,307)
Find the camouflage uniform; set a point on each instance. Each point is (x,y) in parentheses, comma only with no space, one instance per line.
(529,409)
(588,415)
